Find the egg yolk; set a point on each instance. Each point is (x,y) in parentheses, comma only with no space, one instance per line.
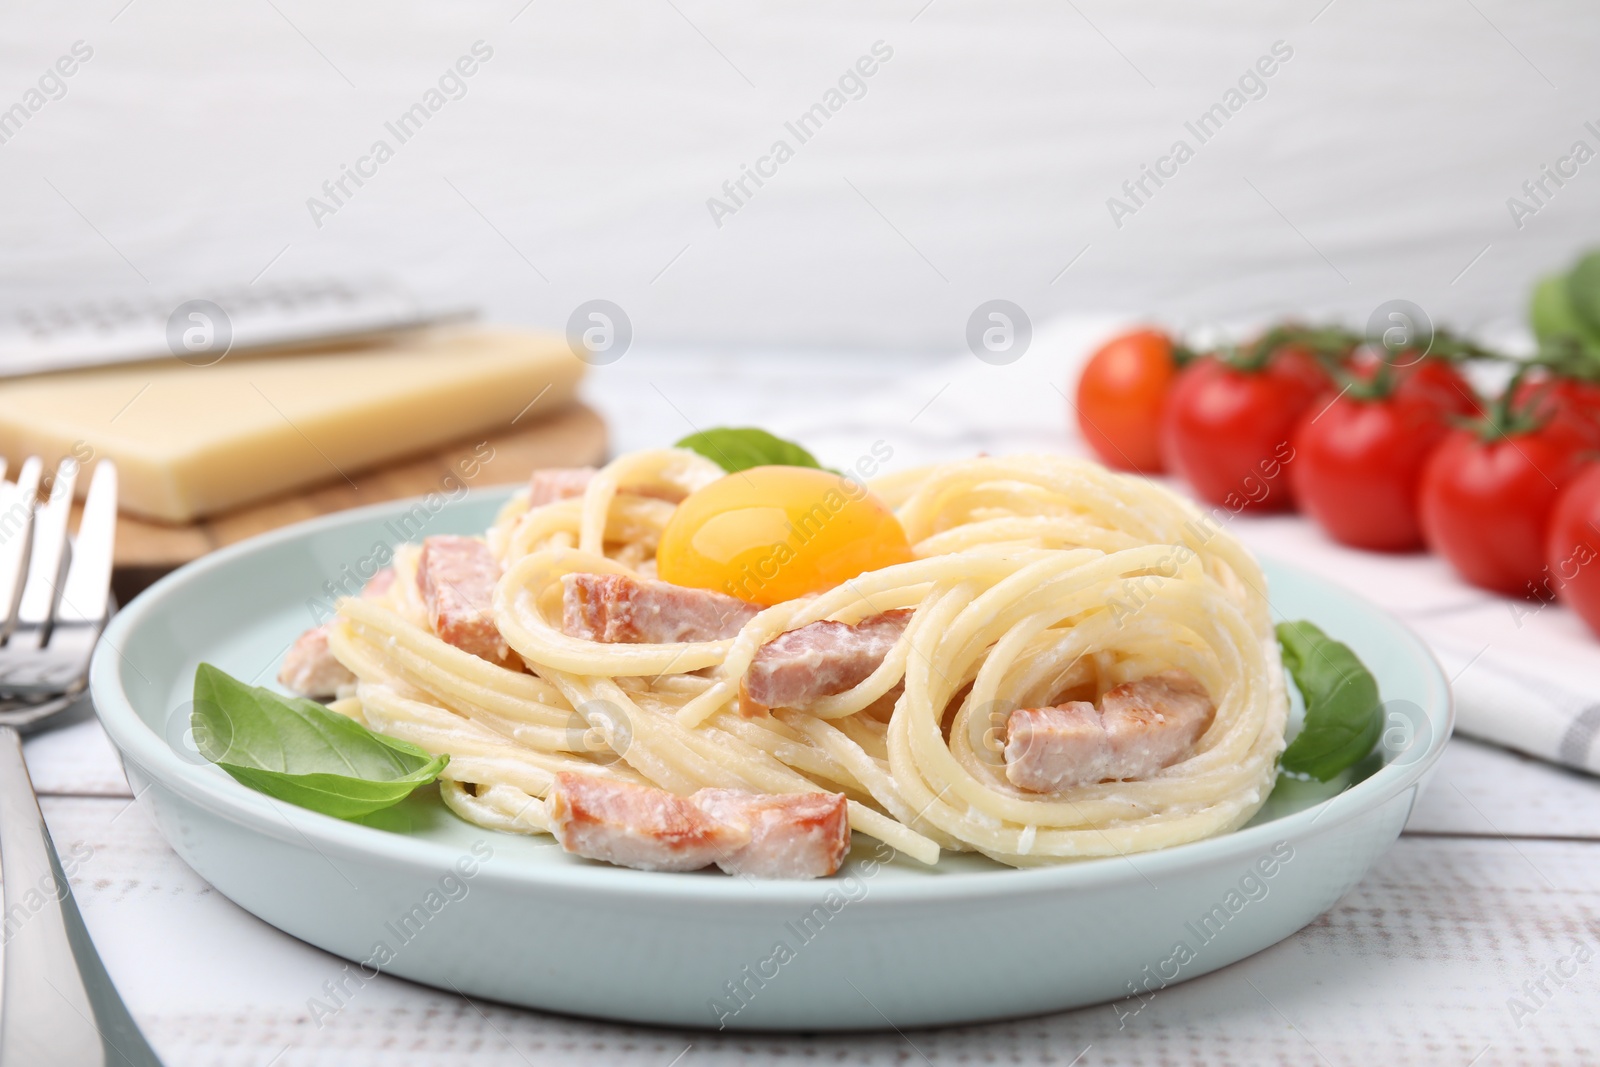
(771,534)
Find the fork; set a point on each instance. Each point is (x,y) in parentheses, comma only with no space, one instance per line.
(58,1007)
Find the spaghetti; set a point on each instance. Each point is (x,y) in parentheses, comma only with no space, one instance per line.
(1031,578)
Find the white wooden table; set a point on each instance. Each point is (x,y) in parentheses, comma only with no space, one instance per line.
(1495,885)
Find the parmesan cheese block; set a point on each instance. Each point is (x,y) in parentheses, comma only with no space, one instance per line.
(192,441)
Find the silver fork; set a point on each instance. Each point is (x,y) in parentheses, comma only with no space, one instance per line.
(58,1007)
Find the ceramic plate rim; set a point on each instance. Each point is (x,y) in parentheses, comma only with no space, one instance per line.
(221,795)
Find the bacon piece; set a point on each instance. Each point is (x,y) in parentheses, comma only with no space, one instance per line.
(792,835)
(309,667)
(617,609)
(457,576)
(558,483)
(637,825)
(1154,722)
(819,660)
(551,484)
(378,584)
(1057,747)
(1139,728)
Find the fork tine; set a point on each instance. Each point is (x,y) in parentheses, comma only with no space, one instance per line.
(85,595)
(16,537)
(43,587)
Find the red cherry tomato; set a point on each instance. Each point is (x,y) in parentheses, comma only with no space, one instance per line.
(1359,459)
(1486,504)
(1567,406)
(1572,547)
(1121,392)
(1228,431)
(1429,380)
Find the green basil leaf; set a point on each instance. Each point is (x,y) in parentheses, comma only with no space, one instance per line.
(738,448)
(1583,291)
(299,751)
(1551,314)
(1344,717)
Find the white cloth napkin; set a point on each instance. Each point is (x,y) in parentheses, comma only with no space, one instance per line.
(1524,676)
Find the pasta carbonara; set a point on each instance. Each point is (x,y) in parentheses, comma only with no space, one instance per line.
(1132,632)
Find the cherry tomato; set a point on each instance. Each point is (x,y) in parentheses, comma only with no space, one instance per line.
(1228,431)
(1568,406)
(1486,503)
(1424,379)
(770,534)
(1359,458)
(1572,547)
(1121,392)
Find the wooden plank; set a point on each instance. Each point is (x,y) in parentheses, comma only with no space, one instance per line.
(1483,790)
(74,756)
(573,437)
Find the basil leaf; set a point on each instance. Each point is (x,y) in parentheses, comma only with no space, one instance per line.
(1583,291)
(297,750)
(738,448)
(1553,318)
(1344,716)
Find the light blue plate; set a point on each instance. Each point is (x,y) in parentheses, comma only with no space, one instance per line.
(421,894)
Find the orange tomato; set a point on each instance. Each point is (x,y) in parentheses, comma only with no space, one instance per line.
(771,534)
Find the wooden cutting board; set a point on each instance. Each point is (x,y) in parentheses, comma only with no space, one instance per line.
(147,550)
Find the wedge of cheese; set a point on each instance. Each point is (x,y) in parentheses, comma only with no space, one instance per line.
(192,441)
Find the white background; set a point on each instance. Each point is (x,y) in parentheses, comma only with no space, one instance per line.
(977,166)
